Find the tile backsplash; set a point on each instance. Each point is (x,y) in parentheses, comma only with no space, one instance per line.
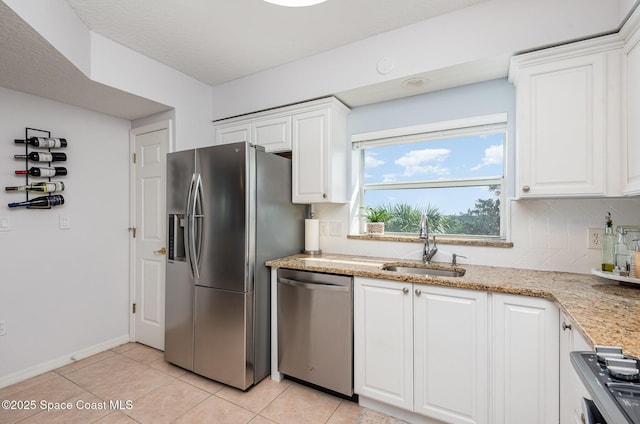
(548,234)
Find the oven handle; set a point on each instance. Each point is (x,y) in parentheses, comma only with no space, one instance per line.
(313,286)
(590,413)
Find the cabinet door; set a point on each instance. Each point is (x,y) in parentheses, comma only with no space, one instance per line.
(451,354)
(561,128)
(310,157)
(525,360)
(383,341)
(235,133)
(571,388)
(273,134)
(631,128)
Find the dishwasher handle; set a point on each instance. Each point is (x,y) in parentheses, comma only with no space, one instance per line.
(313,286)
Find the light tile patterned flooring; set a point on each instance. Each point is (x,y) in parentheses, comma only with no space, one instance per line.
(162,393)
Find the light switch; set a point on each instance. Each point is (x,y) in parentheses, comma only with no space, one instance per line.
(65,222)
(4,223)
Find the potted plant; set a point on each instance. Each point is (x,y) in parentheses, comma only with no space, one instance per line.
(375,219)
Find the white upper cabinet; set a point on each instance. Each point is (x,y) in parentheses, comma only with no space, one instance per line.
(232,133)
(311,172)
(319,153)
(567,120)
(274,134)
(314,132)
(631,107)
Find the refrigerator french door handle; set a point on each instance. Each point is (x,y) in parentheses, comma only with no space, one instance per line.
(188,238)
(198,213)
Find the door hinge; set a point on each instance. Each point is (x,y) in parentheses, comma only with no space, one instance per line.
(133,157)
(134,308)
(133,231)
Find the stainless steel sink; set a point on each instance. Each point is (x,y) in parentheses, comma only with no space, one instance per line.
(425,271)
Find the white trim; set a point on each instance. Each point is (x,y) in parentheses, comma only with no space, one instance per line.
(443,129)
(463,182)
(60,361)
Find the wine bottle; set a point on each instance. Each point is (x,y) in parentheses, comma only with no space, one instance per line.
(608,245)
(43,187)
(36,171)
(43,157)
(43,202)
(45,142)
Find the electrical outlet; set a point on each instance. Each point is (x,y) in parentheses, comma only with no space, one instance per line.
(595,237)
(3,327)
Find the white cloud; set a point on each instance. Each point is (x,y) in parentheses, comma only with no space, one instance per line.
(416,162)
(371,162)
(492,156)
(389,178)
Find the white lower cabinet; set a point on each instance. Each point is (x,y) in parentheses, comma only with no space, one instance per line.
(422,349)
(450,363)
(438,354)
(572,389)
(525,360)
(383,341)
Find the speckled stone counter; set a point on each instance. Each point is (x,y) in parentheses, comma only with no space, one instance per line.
(605,312)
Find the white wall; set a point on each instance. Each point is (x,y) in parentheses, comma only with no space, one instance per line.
(64,292)
(547,234)
(107,62)
(493,29)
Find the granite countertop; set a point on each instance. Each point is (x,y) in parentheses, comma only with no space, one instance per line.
(605,312)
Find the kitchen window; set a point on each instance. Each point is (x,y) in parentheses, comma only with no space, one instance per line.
(453,171)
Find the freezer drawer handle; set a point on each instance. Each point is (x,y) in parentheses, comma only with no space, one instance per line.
(313,286)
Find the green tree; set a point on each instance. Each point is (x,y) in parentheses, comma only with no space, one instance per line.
(483,219)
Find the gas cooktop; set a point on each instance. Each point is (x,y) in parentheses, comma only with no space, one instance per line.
(613,380)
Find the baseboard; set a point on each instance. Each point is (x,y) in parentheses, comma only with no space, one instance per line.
(66,359)
(392,411)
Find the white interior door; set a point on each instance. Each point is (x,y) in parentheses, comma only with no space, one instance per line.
(150,145)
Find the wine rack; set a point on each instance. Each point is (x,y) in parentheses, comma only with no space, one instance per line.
(29,133)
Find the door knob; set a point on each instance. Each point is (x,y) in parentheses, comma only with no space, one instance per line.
(162,251)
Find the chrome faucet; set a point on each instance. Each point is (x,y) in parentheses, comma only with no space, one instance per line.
(428,252)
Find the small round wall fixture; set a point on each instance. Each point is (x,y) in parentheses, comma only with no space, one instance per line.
(295,3)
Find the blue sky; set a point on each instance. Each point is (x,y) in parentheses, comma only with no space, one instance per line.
(465,157)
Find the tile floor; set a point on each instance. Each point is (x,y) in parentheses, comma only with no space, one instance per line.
(153,391)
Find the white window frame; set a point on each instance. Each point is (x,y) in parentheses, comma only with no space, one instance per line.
(437,131)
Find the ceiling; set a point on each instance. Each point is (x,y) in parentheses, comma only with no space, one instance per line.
(31,65)
(216,41)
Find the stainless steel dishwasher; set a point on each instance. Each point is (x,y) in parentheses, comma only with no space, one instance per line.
(315,328)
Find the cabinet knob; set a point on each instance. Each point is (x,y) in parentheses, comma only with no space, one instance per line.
(526,189)
(405,290)
(566,326)
(418,292)
(324,195)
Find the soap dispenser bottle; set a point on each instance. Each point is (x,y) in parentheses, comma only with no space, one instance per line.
(608,245)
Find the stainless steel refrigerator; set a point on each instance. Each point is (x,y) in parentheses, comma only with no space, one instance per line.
(229,210)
